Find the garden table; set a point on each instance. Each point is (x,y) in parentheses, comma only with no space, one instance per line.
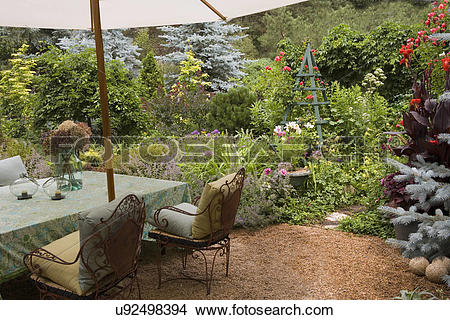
(29,224)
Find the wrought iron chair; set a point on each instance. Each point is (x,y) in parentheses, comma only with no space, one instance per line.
(212,222)
(97,262)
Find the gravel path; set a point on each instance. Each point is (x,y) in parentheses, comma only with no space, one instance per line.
(282,262)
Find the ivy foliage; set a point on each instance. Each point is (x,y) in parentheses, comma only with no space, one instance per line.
(346,55)
(66,88)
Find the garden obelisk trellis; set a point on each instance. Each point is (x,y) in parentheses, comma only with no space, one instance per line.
(310,82)
(117,14)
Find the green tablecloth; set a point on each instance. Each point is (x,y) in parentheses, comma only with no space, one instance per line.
(29,224)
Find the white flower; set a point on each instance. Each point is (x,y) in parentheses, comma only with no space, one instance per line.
(278,129)
(293,126)
(309,125)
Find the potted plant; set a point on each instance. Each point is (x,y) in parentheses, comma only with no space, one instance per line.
(64,145)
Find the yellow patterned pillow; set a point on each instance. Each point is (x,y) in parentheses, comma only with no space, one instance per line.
(212,197)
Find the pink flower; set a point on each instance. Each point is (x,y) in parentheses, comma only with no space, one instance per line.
(432,30)
(441,16)
(306,66)
(278,58)
(286,68)
(300,83)
(310,97)
(282,53)
(283,172)
(267,171)
(268,68)
(441,6)
(315,68)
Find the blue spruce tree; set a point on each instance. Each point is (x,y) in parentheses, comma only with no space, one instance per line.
(116,46)
(212,43)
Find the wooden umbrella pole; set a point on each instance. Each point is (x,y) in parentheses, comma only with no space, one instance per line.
(95,13)
(221,16)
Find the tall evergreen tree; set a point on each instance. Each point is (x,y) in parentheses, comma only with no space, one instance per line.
(150,77)
(116,46)
(212,43)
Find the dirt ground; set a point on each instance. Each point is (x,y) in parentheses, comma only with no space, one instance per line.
(281,262)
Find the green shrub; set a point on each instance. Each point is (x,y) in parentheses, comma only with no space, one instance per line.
(15,95)
(358,114)
(231,111)
(370,222)
(66,88)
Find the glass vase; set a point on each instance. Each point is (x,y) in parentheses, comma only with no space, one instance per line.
(69,166)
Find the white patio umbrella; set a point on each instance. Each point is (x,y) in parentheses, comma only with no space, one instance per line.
(118,14)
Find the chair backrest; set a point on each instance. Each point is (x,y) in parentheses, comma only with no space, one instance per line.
(231,194)
(110,253)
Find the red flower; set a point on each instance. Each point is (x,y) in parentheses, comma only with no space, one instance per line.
(277,58)
(268,68)
(306,66)
(445,63)
(282,53)
(414,102)
(315,68)
(310,97)
(301,59)
(434,141)
(300,83)
(286,68)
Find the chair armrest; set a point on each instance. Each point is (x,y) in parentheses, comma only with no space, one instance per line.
(45,255)
(195,200)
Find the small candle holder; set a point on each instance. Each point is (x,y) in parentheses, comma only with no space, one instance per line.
(58,195)
(57,188)
(24,187)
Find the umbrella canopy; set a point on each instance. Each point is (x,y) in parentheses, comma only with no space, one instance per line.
(118,14)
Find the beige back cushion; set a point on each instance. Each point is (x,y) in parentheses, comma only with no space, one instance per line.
(211,196)
(67,249)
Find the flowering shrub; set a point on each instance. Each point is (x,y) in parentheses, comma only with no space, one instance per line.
(428,49)
(75,135)
(179,111)
(273,89)
(36,164)
(264,198)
